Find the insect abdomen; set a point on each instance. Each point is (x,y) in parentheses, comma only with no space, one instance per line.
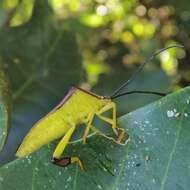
(43,132)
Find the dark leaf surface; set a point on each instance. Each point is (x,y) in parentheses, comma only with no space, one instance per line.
(42,62)
(4,108)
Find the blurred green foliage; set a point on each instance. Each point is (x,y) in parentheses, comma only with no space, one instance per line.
(48,45)
(119,31)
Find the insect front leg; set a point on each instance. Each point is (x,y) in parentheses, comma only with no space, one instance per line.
(122,135)
(112,121)
(65,161)
(90,126)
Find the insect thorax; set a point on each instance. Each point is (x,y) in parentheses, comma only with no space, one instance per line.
(81,104)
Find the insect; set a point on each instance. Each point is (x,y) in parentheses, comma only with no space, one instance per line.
(78,107)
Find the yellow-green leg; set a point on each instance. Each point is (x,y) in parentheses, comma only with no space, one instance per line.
(112,121)
(121,139)
(90,126)
(57,159)
(108,120)
(87,130)
(122,135)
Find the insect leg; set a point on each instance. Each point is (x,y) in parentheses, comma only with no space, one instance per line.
(112,121)
(106,119)
(90,126)
(122,137)
(60,149)
(65,161)
(87,130)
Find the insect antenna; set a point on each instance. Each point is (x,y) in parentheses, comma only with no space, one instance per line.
(139,92)
(139,69)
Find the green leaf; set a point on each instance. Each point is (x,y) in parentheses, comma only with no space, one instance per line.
(20,11)
(42,62)
(156,157)
(4,108)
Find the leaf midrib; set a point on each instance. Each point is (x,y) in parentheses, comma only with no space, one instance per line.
(163,181)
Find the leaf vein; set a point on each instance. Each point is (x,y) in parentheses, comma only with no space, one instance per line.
(163,182)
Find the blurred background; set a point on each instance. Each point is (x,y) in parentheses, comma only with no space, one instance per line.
(47,46)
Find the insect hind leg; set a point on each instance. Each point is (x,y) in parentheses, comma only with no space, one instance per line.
(76,159)
(65,161)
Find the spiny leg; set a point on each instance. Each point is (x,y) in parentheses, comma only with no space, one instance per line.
(60,149)
(87,130)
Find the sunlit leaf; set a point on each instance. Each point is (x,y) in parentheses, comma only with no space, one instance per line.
(93,20)
(21,11)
